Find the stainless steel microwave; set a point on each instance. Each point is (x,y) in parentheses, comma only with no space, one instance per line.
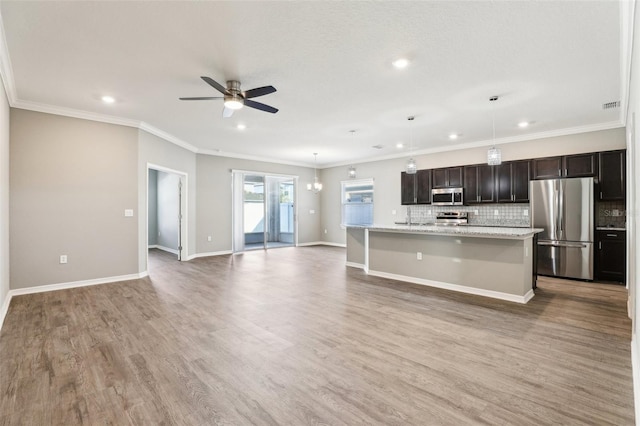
(447,197)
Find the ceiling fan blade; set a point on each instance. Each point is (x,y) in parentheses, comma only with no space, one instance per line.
(227,112)
(261,107)
(219,87)
(206,98)
(259,91)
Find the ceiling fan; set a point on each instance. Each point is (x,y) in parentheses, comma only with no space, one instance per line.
(234,98)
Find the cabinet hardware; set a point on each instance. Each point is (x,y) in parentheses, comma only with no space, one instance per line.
(566,173)
(612,235)
(600,245)
(601,195)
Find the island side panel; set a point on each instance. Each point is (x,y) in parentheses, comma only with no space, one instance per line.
(494,264)
(356,247)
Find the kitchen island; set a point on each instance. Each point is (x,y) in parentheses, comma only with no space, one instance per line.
(488,261)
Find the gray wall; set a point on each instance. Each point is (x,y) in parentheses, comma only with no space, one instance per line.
(152,215)
(159,152)
(214,200)
(168,210)
(4,195)
(386,174)
(71,181)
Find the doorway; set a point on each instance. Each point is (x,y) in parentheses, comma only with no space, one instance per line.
(264,211)
(166,202)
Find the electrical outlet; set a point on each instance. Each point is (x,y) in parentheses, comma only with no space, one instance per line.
(475,212)
(429,212)
(419,255)
(325,231)
(312,212)
(209,238)
(525,212)
(393,212)
(128,213)
(63,258)
(615,212)
(496,212)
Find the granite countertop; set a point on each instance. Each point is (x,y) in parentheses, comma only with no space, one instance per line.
(463,231)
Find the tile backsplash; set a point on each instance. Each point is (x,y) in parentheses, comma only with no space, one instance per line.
(611,214)
(516,215)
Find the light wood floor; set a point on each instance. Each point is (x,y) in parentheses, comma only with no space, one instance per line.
(292,336)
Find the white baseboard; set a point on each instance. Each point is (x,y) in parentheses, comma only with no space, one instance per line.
(457,287)
(321,243)
(5,308)
(355,265)
(167,249)
(211,253)
(63,286)
(152,246)
(635,372)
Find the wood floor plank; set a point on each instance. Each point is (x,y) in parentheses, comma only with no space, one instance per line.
(292,336)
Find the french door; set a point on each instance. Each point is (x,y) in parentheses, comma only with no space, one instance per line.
(264,211)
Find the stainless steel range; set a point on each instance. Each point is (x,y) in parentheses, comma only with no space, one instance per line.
(452,218)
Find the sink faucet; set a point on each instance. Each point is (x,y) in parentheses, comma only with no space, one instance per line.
(408,215)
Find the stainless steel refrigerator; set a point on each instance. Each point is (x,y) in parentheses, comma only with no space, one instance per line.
(564,209)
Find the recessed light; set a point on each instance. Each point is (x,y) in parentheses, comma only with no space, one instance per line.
(453,136)
(241,126)
(401,63)
(399,145)
(523,124)
(108,99)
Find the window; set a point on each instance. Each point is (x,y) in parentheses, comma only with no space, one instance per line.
(357,202)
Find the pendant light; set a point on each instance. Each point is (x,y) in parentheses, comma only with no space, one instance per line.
(352,170)
(412,167)
(316,186)
(494,155)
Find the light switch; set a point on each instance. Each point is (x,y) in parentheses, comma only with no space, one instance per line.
(128,213)
(209,238)
(63,258)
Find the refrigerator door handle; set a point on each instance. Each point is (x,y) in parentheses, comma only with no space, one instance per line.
(561,244)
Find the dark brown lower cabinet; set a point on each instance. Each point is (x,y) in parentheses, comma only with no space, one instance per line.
(610,255)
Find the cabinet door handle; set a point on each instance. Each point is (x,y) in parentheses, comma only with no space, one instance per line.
(566,173)
(612,235)
(601,195)
(600,245)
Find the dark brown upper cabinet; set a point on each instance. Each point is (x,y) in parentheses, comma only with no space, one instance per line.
(577,165)
(450,177)
(512,181)
(612,175)
(423,187)
(479,184)
(407,188)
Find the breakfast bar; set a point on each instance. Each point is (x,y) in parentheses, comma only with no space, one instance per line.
(488,261)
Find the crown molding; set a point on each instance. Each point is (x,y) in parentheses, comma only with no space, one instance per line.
(6,70)
(166,136)
(486,143)
(217,153)
(75,113)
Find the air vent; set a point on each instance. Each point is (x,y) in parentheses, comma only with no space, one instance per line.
(610,105)
(377,147)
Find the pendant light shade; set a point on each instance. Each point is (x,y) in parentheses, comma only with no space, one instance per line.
(412,167)
(316,186)
(494,155)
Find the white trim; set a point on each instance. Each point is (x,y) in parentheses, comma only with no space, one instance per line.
(6,71)
(210,253)
(167,137)
(635,373)
(355,265)
(152,246)
(5,308)
(218,153)
(486,143)
(328,243)
(456,287)
(167,249)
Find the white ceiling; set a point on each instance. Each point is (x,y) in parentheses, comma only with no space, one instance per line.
(553,63)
